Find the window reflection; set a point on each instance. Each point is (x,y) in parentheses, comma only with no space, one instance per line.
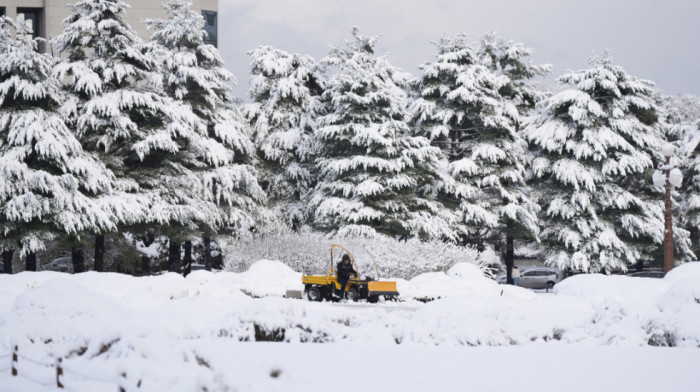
(210,26)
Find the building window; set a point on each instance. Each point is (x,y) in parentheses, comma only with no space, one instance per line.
(2,11)
(210,27)
(36,17)
(33,15)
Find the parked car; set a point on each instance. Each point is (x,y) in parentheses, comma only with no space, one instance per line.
(539,278)
(647,274)
(61,264)
(193,267)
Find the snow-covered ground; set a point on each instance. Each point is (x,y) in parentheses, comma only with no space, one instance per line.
(170,333)
(270,367)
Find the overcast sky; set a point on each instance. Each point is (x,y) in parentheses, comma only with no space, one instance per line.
(652,39)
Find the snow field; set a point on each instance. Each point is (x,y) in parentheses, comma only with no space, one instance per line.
(173,333)
(272,367)
(349,367)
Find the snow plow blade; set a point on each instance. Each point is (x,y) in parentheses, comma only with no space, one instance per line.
(382,288)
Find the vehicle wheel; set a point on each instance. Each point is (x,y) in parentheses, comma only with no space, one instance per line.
(313,294)
(550,285)
(373,299)
(352,294)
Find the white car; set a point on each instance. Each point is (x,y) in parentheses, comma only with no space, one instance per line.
(535,278)
(539,278)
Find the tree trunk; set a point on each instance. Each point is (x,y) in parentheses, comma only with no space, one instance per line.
(188,253)
(78,258)
(668,237)
(99,253)
(207,252)
(509,258)
(174,264)
(188,259)
(138,267)
(7,261)
(30,262)
(146,265)
(217,262)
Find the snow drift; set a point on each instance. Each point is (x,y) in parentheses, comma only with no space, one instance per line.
(88,311)
(106,324)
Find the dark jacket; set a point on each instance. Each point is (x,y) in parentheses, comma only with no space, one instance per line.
(345,270)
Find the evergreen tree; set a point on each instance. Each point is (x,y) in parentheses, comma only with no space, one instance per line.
(690,191)
(119,111)
(681,111)
(462,111)
(678,119)
(517,218)
(512,59)
(286,90)
(222,155)
(596,142)
(49,184)
(374,176)
(692,178)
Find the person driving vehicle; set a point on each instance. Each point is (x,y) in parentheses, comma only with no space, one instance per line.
(345,271)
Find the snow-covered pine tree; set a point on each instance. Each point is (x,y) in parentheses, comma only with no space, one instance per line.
(49,185)
(595,143)
(286,90)
(512,59)
(461,110)
(438,114)
(681,110)
(679,117)
(691,188)
(682,118)
(670,124)
(374,176)
(194,75)
(118,109)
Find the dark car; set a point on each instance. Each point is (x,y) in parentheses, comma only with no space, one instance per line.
(647,274)
(61,264)
(193,267)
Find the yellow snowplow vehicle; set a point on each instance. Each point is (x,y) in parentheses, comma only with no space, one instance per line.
(364,286)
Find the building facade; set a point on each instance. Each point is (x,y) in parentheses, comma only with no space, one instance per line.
(47,15)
